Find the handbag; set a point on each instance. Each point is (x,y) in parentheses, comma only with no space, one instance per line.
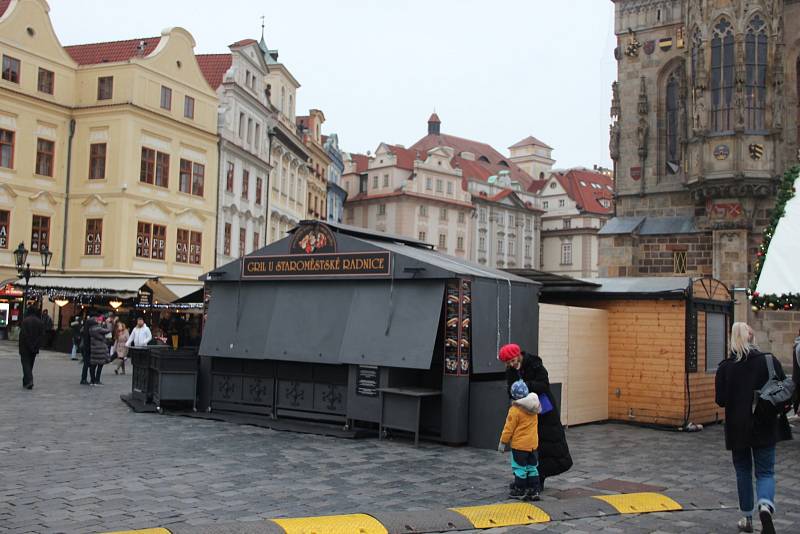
(544,401)
(776,391)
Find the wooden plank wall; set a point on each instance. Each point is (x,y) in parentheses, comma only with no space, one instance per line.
(554,348)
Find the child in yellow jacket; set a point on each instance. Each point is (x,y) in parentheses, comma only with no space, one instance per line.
(521,433)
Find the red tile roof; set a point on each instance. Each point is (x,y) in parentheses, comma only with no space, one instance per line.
(4,6)
(111,52)
(530,140)
(578,183)
(492,156)
(405,156)
(471,169)
(214,67)
(243,42)
(536,186)
(361,161)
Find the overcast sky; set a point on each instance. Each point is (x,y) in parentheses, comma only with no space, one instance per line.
(495,71)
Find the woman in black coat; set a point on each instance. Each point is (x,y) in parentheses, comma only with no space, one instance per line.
(751,424)
(554,457)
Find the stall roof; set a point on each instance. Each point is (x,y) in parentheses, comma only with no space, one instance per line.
(630,286)
(649,226)
(552,281)
(368,233)
(182,290)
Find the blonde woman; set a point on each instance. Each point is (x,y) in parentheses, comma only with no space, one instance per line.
(121,346)
(751,425)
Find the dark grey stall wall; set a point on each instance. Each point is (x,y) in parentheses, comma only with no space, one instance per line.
(488,333)
(488,408)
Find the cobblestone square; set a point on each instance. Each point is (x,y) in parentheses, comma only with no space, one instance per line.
(75,459)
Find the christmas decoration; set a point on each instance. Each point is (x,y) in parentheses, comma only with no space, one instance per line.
(783,301)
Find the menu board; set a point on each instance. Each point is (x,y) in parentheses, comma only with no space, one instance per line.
(458,328)
(367,381)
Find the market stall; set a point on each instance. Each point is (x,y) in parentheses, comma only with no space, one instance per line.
(345,325)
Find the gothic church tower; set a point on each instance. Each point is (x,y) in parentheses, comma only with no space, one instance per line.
(704,121)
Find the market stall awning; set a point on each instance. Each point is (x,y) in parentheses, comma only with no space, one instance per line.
(183,290)
(122,287)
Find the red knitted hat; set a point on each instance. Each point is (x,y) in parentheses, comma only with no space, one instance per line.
(509,352)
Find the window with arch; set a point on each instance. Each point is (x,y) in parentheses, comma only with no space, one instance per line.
(672,121)
(756,69)
(723,67)
(283,100)
(290,111)
(697,42)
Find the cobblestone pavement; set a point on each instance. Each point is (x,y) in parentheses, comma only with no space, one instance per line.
(76,459)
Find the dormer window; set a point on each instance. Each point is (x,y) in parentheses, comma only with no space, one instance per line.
(503,163)
(484,159)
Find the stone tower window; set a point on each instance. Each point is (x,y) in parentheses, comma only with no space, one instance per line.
(672,120)
(723,67)
(756,81)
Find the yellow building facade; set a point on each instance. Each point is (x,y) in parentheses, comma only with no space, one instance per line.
(117,139)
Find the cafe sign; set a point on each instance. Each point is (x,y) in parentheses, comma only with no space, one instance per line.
(335,265)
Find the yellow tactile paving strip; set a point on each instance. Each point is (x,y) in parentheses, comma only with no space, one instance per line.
(640,503)
(503,515)
(332,524)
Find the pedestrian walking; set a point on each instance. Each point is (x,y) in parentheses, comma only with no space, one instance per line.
(554,456)
(121,336)
(751,424)
(99,352)
(31,338)
(75,330)
(796,374)
(47,321)
(141,335)
(86,346)
(521,434)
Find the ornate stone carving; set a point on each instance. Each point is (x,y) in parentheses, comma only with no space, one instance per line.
(613,142)
(642,134)
(616,106)
(699,113)
(644,106)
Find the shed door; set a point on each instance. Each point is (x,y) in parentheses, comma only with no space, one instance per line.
(715,340)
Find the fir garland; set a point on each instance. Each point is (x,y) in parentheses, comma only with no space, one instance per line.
(784,301)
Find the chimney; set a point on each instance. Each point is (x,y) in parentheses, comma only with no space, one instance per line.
(434,124)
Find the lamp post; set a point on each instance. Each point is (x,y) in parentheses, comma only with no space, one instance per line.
(24,268)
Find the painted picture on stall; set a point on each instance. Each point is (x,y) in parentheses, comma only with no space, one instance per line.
(313,239)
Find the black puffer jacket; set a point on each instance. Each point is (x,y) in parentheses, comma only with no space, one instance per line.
(735,384)
(554,457)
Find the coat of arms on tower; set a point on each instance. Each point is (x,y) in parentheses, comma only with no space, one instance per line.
(649,47)
(756,151)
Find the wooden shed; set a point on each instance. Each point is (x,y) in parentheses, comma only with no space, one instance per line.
(666,336)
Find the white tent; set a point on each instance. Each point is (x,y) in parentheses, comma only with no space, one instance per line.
(780,273)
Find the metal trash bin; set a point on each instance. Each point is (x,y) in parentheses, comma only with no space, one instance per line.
(173,375)
(141,386)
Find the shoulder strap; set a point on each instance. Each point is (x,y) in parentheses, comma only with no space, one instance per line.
(770,365)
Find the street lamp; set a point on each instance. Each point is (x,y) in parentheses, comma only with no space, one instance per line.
(24,268)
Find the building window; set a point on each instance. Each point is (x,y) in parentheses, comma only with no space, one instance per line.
(249,131)
(97,161)
(11,67)
(257,137)
(242,238)
(482,244)
(151,241)
(428,184)
(385,180)
(189,247)
(566,253)
(105,88)
(241,125)
(439,186)
(512,220)
(716,340)
(256,240)
(443,241)
(46,81)
(5,225)
(192,177)
(245,184)
(545,204)
(423,210)
(226,240)
(6,149)
(567,223)
(562,203)
(482,215)
(449,188)
(462,217)
(723,68)
(166,97)
(45,153)
(259,189)
(188,107)
(679,261)
(442,214)
(374,182)
(460,243)
(40,233)
(527,250)
(527,224)
(756,73)
(500,247)
(672,120)
(229,177)
(94,237)
(422,235)
(381,209)
(154,168)
(512,248)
